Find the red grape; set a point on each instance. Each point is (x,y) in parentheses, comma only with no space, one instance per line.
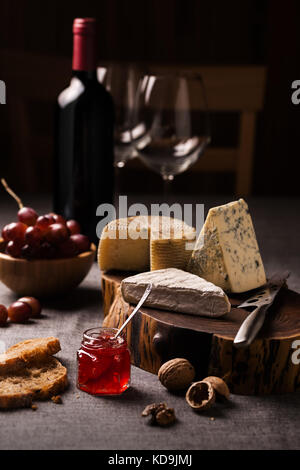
(57,233)
(29,252)
(81,241)
(73,227)
(19,312)
(44,221)
(51,216)
(55,218)
(34,236)
(3,315)
(67,249)
(14,232)
(47,251)
(59,219)
(5,233)
(14,249)
(27,215)
(34,304)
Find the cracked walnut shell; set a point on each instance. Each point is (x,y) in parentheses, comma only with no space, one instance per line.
(220,387)
(176,374)
(200,395)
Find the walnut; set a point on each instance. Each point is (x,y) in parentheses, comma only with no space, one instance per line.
(219,386)
(153,409)
(200,395)
(165,417)
(160,414)
(176,374)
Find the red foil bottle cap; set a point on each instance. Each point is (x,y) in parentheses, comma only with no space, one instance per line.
(84,26)
(84,44)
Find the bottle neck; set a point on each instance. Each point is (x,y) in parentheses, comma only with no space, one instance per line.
(84,55)
(83,75)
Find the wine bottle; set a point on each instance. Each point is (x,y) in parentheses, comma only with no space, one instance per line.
(84,136)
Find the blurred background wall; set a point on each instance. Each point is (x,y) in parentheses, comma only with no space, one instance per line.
(36,47)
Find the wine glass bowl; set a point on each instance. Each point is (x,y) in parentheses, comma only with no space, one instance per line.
(172,117)
(122,80)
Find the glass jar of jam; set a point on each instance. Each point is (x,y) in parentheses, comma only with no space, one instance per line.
(103,362)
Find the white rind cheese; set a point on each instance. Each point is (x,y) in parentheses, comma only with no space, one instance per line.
(178,291)
(141,243)
(226,252)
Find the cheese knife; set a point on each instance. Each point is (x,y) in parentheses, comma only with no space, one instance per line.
(262,300)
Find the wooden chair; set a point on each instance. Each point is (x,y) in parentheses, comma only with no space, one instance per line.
(236,89)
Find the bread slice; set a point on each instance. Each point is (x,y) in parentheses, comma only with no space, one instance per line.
(37,349)
(37,381)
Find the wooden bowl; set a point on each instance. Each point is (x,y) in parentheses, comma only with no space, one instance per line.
(41,278)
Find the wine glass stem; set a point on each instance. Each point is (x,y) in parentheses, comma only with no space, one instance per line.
(167,185)
(118,171)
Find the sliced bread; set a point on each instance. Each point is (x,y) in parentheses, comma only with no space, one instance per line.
(37,349)
(37,381)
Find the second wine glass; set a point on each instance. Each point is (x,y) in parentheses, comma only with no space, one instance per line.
(170,126)
(122,80)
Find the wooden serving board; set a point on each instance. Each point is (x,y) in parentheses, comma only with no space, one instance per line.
(155,336)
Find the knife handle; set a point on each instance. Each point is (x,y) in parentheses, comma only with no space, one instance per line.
(250,327)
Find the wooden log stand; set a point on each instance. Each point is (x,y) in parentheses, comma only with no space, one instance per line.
(155,336)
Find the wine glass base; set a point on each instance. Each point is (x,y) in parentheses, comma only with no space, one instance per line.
(120,164)
(168,177)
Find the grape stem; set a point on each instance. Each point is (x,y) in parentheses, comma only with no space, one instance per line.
(12,193)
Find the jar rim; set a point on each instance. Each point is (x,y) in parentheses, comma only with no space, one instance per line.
(96,330)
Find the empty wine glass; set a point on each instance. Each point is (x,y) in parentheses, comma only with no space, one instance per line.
(170,125)
(122,80)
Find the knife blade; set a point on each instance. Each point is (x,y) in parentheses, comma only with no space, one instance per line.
(262,300)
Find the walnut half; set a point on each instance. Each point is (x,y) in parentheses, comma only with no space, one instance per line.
(200,395)
(219,386)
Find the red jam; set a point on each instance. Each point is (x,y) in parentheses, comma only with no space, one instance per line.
(103,362)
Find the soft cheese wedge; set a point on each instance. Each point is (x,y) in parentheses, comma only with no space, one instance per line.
(226,252)
(145,242)
(178,291)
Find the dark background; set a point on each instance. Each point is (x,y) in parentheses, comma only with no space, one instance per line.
(255,32)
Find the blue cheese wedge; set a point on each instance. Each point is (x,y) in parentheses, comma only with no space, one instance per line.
(178,291)
(226,252)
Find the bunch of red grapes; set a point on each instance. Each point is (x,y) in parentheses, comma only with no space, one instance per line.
(47,236)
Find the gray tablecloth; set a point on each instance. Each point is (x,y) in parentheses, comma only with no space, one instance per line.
(86,422)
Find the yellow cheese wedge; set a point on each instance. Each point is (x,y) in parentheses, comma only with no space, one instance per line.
(141,243)
(168,246)
(119,249)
